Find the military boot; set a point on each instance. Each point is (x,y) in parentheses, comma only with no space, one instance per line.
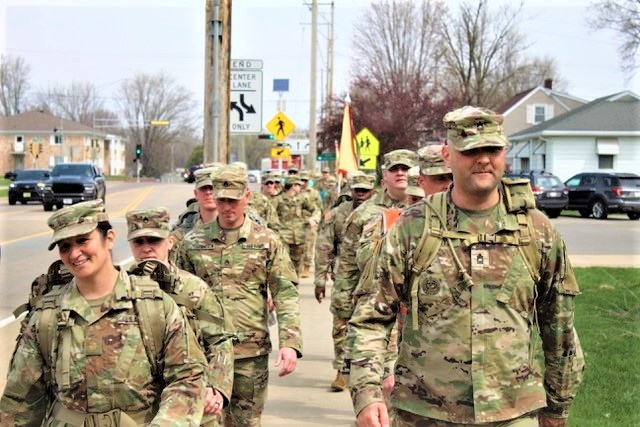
(304,272)
(339,383)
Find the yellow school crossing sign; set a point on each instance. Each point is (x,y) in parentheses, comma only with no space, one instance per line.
(280,152)
(368,149)
(280,126)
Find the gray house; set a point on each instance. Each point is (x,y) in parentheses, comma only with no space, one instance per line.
(601,136)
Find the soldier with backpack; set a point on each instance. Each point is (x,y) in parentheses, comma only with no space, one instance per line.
(481,272)
(150,242)
(88,355)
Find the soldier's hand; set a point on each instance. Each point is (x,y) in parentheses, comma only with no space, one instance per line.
(312,222)
(546,421)
(387,385)
(374,415)
(319,291)
(213,402)
(287,360)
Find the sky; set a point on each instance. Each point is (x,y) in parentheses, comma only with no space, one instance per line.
(106,41)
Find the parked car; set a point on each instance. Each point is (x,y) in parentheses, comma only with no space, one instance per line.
(551,194)
(10,175)
(189,173)
(599,194)
(27,186)
(72,183)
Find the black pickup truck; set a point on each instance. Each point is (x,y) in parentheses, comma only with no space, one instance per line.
(71,183)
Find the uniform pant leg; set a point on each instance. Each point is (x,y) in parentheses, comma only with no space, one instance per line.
(310,248)
(339,335)
(296,253)
(250,380)
(400,418)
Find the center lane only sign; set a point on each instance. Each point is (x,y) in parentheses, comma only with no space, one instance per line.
(246,96)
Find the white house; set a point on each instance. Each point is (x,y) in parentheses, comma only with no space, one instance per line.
(601,136)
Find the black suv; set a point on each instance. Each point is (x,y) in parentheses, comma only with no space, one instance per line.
(72,183)
(599,194)
(27,186)
(551,194)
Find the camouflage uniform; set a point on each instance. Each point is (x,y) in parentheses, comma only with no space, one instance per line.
(262,204)
(329,240)
(314,197)
(468,352)
(241,273)
(211,325)
(291,224)
(101,370)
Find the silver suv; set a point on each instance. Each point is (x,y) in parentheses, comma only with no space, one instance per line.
(599,194)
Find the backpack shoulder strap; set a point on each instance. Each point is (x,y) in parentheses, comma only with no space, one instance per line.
(52,320)
(149,306)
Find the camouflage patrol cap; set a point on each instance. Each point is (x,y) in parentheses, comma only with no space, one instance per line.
(76,220)
(151,222)
(241,165)
(230,182)
(431,162)
(413,188)
(268,176)
(399,157)
(305,175)
(363,181)
(291,180)
(203,176)
(326,170)
(293,168)
(474,127)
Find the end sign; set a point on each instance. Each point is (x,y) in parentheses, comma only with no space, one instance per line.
(246,96)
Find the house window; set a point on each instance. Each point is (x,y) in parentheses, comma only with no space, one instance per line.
(605,161)
(524,164)
(539,113)
(57,139)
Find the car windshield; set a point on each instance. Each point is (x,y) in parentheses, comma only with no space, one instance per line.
(30,175)
(549,182)
(71,170)
(630,181)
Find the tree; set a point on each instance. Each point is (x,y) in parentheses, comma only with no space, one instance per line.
(76,102)
(14,84)
(484,55)
(623,17)
(394,89)
(156,97)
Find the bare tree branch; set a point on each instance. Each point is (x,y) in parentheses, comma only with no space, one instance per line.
(14,84)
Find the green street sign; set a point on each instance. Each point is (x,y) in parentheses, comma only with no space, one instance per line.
(326,156)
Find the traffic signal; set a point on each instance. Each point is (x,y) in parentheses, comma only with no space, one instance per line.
(33,149)
(266,136)
(138,151)
(40,148)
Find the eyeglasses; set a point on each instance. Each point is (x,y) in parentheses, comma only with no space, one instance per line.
(147,240)
(361,190)
(269,183)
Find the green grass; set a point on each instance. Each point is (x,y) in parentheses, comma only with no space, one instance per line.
(608,324)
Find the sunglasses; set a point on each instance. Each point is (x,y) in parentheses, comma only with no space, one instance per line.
(147,240)
(269,183)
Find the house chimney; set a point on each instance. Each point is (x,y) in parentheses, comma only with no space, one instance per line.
(548,83)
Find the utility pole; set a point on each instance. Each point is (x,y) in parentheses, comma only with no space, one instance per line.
(216,74)
(313,94)
(330,55)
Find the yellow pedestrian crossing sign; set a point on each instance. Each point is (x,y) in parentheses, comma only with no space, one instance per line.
(280,126)
(368,162)
(280,152)
(368,145)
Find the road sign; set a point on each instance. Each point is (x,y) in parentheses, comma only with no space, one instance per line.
(280,126)
(246,96)
(326,156)
(367,162)
(280,152)
(367,143)
(299,146)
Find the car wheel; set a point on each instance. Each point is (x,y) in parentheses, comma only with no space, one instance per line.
(584,213)
(12,201)
(48,207)
(633,215)
(23,202)
(553,213)
(599,209)
(59,206)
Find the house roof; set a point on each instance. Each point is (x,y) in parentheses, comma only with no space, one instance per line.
(519,98)
(617,113)
(40,122)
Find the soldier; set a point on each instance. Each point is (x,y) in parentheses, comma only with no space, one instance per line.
(329,239)
(201,212)
(435,176)
(396,167)
(261,201)
(414,192)
(314,197)
(242,260)
(480,270)
(91,354)
(149,240)
(291,209)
